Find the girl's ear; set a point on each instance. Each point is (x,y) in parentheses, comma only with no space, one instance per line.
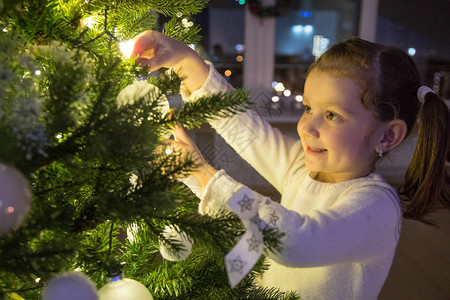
(394,134)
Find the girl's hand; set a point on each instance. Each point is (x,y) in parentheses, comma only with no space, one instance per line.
(157,50)
(183,144)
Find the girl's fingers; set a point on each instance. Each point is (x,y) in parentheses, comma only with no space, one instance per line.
(145,44)
(181,135)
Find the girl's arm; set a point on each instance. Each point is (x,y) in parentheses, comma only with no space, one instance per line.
(264,147)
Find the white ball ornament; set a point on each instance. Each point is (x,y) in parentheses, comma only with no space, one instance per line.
(70,286)
(15,198)
(170,232)
(142,90)
(119,288)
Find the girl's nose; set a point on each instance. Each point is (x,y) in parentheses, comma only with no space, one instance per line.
(308,126)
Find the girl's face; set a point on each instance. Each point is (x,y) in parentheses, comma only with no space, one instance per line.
(338,133)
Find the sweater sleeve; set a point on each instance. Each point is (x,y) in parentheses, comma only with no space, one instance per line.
(265,148)
(362,226)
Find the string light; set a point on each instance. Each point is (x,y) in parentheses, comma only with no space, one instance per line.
(89,22)
(298,102)
(279,87)
(308,28)
(187,23)
(287,93)
(239,48)
(305,14)
(227,73)
(275,99)
(239,58)
(297,29)
(127,48)
(320,45)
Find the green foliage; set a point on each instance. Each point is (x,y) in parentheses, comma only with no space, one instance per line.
(91,161)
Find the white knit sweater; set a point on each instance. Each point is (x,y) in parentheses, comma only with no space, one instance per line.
(340,238)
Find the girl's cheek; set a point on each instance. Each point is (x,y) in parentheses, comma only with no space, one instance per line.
(300,126)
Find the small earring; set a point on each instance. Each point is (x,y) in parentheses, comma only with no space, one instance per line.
(380,154)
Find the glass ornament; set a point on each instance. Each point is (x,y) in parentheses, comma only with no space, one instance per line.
(120,288)
(170,232)
(15,198)
(70,286)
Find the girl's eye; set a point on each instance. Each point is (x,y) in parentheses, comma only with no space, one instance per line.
(307,109)
(332,116)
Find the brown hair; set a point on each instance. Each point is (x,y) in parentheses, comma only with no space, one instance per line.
(390,81)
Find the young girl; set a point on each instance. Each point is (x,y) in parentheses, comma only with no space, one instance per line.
(340,218)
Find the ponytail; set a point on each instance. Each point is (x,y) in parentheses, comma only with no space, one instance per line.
(427,181)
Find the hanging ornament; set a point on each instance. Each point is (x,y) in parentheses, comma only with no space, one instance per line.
(15,198)
(132,232)
(70,286)
(142,90)
(119,288)
(171,232)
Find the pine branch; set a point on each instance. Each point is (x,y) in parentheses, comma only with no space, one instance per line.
(175,30)
(193,114)
(165,7)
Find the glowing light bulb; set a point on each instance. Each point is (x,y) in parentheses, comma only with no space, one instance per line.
(227,73)
(275,99)
(287,93)
(239,48)
(279,87)
(187,23)
(239,58)
(89,22)
(411,51)
(299,98)
(305,14)
(297,29)
(309,28)
(127,48)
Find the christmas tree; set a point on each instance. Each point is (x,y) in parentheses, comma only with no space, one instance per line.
(82,185)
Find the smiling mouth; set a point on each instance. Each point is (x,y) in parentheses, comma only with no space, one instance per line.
(316,149)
